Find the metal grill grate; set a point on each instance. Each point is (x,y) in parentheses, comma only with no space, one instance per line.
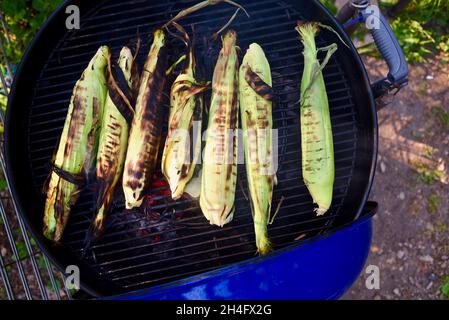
(168,240)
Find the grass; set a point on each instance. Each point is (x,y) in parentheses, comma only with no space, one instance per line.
(50,287)
(433,203)
(441,227)
(22,250)
(3,102)
(421,28)
(32,241)
(3,184)
(41,262)
(445,287)
(442,116)
(426,174)
(428,152)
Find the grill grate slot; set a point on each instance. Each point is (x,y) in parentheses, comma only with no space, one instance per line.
(171,240)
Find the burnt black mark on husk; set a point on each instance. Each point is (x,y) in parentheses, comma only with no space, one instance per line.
(77,119)
(151,125)
(119,92)
(257,84)
(74,178)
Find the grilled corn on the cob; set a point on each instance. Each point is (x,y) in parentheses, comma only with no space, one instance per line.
(76,152)
(178,162)
(316,131)
(255,97)
(219,173)
(118,113)
(145,135)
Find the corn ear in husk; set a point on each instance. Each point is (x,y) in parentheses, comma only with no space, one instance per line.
(316,131)
(146,129)
(255,97)
(180,155)
(117,118)
(76,153)
(219,172)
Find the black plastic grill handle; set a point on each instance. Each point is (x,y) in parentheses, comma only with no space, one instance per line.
(388,46)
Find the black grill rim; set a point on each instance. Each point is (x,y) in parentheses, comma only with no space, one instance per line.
(38,52)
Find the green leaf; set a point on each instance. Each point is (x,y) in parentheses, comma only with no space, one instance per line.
(445,288)
(421,27)
(3,184)
(50,286)
(330,5)
(20,14)
(22,250)
(10,7)
(41,262)
(40,5)
(23,18)
(33,242)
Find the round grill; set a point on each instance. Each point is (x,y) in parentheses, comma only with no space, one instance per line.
(167,240)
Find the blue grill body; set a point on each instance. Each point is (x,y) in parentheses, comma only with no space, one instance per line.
(322,268)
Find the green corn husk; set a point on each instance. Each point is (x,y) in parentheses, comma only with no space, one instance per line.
(219,173)
(255,96)
(316,131)
(118,113)
(178,165)
(78,145)
(146,130)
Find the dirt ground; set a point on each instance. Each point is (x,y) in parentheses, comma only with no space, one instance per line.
(411,230)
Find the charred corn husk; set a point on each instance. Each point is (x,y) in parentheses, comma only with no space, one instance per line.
(78,144)
(255,97)
(145,135)
(316,131)
(118,114)
(219,173)
(184,128)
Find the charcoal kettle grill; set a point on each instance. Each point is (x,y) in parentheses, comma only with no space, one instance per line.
(166,249)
